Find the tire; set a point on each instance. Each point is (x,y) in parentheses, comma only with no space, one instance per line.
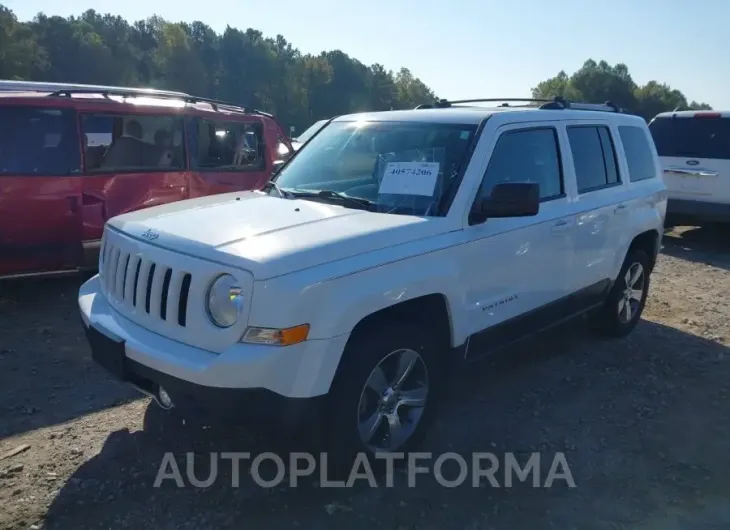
(612,319)
(352,398)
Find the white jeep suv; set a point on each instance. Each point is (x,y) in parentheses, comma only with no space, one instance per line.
(392,245)
(694,150)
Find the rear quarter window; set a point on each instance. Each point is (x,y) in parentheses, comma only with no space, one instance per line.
(38,142)
(692,137)
(638,151)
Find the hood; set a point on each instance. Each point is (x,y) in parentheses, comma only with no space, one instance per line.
(270,236)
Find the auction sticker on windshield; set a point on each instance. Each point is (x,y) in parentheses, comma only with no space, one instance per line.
(410,178)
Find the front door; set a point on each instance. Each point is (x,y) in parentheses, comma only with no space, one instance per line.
(517,268)
(40,190)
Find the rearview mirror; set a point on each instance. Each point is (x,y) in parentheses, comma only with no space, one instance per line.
(508,199)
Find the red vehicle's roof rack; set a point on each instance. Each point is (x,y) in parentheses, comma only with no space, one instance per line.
(69,89)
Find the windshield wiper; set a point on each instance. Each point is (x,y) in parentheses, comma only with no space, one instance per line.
(352,202)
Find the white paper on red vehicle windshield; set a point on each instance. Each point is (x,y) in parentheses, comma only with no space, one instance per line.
(410,178)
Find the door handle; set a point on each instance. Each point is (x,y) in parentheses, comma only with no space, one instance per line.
(620,208)
(694,172)
(561,225)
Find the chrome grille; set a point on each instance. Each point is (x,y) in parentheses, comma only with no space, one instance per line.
(143,285)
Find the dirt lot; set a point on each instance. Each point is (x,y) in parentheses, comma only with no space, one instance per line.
(643,423)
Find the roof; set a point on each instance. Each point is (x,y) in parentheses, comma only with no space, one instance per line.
(475,115)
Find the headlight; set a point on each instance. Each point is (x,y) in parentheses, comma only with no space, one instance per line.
(225,301)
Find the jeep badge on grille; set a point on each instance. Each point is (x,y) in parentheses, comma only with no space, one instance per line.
(150,235)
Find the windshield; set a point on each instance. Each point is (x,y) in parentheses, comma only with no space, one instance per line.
(399,167)
(306,135)
(692,137)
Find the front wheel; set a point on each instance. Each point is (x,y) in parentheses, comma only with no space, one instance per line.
(625,303)
(383,397)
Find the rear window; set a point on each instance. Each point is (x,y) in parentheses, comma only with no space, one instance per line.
(692,137)
(38,141)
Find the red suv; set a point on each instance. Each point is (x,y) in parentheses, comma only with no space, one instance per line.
(72,156)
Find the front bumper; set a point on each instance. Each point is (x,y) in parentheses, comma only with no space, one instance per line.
(284,384)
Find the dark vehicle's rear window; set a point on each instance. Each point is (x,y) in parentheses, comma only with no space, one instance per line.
(692,137)
(38,141)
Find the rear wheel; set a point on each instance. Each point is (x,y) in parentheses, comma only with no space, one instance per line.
(625,303)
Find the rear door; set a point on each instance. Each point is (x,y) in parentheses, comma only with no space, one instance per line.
(131,161)
(599,205)
(40,190)
(694,150)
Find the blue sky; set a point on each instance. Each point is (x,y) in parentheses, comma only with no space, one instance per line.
(476,48)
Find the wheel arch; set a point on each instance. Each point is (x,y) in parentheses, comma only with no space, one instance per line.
(650,242)
(431,311)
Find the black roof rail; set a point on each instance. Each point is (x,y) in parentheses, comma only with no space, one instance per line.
(560,103)
(557,103)
(443,103)
(216,104)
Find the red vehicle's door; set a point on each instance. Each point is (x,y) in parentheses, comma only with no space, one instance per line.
(40,190)
(131,161)
(232,153)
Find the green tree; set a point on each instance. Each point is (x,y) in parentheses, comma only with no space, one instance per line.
(411,91)
(598,82)
(179,64)
(245,67)
(20,55)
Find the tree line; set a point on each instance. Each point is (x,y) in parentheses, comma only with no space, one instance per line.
(599,82)
(266,73)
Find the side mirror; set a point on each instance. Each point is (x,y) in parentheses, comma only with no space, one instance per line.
(509,199)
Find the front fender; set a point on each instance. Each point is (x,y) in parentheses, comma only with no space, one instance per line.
(334,307)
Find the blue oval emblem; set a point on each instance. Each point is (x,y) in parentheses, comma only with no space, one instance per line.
(692,162)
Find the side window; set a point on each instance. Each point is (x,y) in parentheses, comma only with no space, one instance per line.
(530,155)
(594,157)
(228,146)
(127,143)
(638,153)
(38,141)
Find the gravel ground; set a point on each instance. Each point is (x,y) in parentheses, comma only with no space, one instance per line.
(642,422)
